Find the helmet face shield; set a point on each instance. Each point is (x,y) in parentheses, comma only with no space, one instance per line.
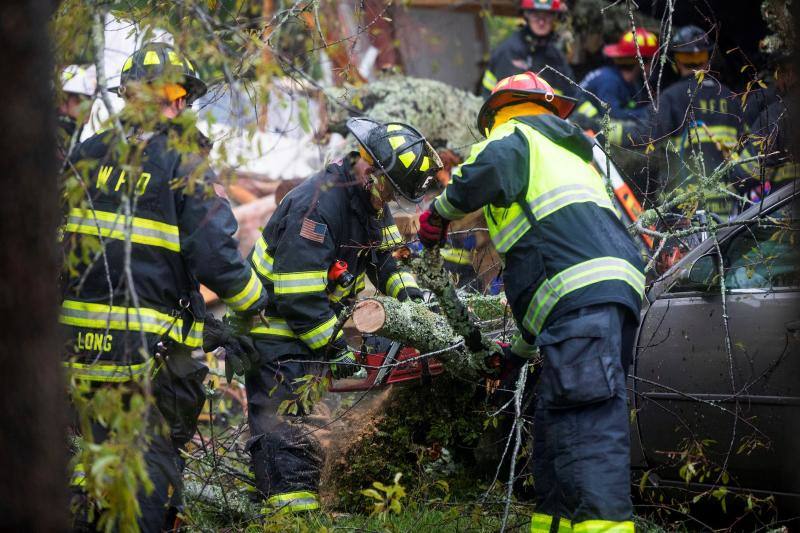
(400,153)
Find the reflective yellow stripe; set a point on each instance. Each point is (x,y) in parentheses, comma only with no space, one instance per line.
(107,372)
(390,236)
(289,502)
(115,225)
(576,277)
(397,141)
(459,256)
(489,80)
(407,158)
(101,316)
(300,282)
(78,478)
(724,135)
(278,327)
(320,335)
(604,526)
(261,259)
(541,523)
(512,230)
(360,282)
(446,209)
(553,200)
(398,281)
(242,300)
(614,131)
(587,109)
(151,58)
(339,292)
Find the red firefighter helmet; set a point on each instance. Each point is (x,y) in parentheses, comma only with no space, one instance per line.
(626,47)
(521,88)
(555,6)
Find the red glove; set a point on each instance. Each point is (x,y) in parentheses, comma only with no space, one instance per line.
(432,229)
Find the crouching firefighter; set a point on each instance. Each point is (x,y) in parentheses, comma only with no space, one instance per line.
(575,282)
(164,224)
(338,216)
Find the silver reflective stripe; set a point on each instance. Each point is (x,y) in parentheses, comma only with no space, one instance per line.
(100,316)
(551,201)
(111,373)
(512,231)
(575,277)
(320,335)
(300,282)
(115,226)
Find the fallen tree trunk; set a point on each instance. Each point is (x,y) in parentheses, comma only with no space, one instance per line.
(412,324)
(431,272)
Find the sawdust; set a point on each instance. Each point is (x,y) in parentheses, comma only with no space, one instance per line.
(346,430)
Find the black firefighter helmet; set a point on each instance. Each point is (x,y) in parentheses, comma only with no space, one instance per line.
(400,152)
(159,61)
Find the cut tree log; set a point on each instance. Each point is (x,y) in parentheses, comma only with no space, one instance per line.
(415,325)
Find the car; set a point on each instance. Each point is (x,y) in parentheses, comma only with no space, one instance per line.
(716,376)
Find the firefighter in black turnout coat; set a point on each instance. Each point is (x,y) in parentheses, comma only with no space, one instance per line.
(180,231)
(337,215)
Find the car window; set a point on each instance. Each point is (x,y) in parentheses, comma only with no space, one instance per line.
(766,255)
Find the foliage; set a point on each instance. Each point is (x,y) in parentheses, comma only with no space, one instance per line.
(113,467)
(387,498)
(418,425)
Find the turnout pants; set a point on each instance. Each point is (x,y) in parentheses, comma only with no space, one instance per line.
(285,454)
(581,425)
(179,397)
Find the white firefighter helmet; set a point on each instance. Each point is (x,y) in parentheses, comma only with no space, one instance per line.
(78,79)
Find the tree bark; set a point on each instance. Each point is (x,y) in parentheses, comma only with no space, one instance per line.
(415,325)
(32,399)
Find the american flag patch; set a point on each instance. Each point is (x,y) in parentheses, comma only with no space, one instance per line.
(313,231)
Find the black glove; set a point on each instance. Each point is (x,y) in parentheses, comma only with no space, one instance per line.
(344,364)
(240,353)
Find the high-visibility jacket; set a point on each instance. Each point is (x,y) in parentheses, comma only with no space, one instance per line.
(326,218)
(700,124)
(180,229)
(770,137)
(550,216)
(522,52)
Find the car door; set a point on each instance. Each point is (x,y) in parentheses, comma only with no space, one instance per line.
(714,403)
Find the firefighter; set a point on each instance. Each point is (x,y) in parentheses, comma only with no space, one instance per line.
(620,85)
(78,85)
(325,236)
(165,221)
(574,280)
(532,47)
(698,117)
(771,136)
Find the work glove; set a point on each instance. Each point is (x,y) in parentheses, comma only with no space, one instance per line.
(507,363)
(240,353)
(344,364)
(432,228)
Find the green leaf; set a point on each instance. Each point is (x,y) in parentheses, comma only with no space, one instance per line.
(372,493)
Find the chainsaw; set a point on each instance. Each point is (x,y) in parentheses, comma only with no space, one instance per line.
(398,365)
